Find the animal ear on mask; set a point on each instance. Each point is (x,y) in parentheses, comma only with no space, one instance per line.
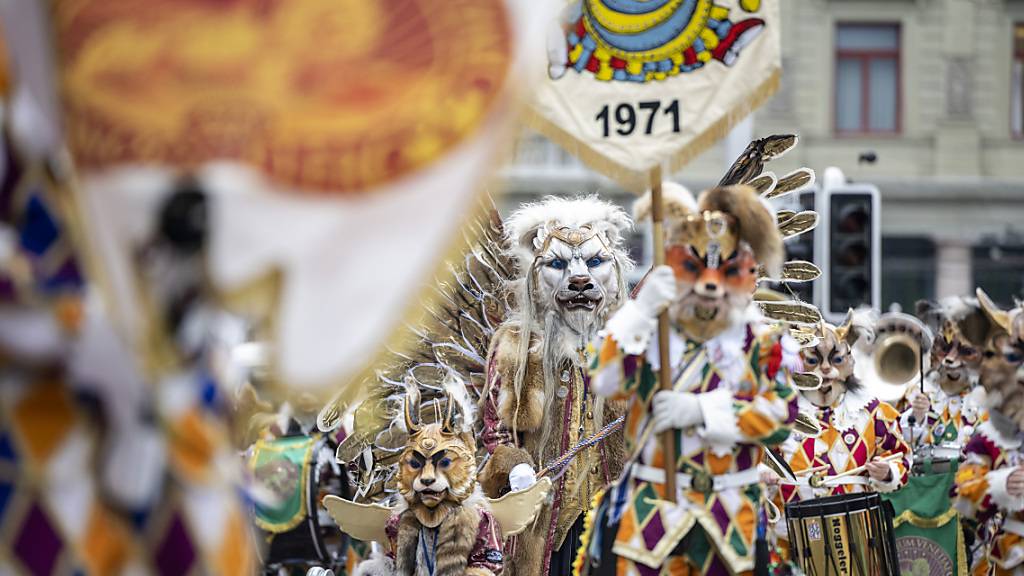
(412,408)
(854,328)
(448,423)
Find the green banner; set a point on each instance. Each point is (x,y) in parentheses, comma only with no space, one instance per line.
(282,466)
(929,541)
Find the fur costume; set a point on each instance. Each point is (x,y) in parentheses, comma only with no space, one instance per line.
(735,366)
(444,526)
(571,259)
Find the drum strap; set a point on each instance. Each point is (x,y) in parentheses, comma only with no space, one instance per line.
(1013,526)
(719,482)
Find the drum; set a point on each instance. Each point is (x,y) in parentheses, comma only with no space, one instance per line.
(300,470)
(848,534)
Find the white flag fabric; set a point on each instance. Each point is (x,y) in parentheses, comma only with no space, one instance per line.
(636,83)
(341,148)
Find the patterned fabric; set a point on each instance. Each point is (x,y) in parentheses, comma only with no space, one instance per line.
(57,519)
(857,430)
(951,420)
(486,554)
(744,390)
(980,494)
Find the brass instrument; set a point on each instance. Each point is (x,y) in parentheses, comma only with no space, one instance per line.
(894,362)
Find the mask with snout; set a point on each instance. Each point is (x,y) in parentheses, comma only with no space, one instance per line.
(831,358)
(577,275)
(716,274)
(957,361)
(437,469)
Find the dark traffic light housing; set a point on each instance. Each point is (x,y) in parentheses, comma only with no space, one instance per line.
(849,249)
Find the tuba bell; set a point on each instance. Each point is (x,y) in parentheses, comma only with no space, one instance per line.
(896,359)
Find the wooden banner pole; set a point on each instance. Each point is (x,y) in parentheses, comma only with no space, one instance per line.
(668,439)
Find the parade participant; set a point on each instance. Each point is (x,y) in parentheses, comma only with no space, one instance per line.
(950,408)
(443,525)
(731,398)
(858,430)
(538,406)
(990,484)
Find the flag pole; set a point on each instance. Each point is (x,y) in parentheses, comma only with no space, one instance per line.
(668,439)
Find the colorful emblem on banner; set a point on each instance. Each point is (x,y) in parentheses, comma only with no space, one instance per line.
(322,95)
(636,83)
(641,41)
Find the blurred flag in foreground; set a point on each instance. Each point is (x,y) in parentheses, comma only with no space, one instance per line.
(340,144)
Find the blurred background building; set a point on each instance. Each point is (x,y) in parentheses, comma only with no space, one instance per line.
(923,98)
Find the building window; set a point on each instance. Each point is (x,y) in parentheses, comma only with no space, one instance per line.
(998,266)
(908,271)
(867,88)
(1017,87)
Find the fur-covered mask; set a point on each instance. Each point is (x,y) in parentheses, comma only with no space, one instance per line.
(577,275)
(573,259)
(1004,351)
(831,358)
(438,465)
(1002,369)
(961,332)
(715,249)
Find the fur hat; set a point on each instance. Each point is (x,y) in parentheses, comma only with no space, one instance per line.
(747,218)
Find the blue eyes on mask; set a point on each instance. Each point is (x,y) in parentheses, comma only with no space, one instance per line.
(559,264)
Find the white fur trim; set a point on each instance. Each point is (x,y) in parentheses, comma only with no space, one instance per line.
(851,413)
(376,565)
(631,328)
(892,484)
(997,490)
(720,429)
(1004,442)
(607,218)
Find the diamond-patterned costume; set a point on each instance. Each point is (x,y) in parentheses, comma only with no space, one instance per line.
(742,380)
(951,419)
(980,494)
(855,431)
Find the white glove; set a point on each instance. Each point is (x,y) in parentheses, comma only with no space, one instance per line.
(521,477)
(675,410)
(658,291)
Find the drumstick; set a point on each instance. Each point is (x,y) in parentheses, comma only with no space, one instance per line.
(813,470)
(890,458)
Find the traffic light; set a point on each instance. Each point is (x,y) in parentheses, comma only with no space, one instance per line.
(850,255)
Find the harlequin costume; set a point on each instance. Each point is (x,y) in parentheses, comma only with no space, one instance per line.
(950,421)
(992,454)
(962,333)
(729,366)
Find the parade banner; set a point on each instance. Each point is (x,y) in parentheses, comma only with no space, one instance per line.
(929,538)
(633,84)
(341,146)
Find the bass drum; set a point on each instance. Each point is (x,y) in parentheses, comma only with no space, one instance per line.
(299,471)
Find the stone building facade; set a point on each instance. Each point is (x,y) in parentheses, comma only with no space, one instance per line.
(931,90)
